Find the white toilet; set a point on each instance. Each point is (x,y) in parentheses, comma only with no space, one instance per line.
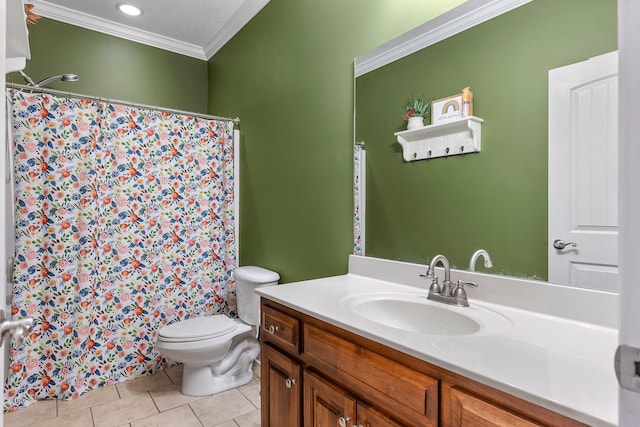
(217,351)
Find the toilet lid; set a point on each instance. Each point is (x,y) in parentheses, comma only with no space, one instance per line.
(198,328)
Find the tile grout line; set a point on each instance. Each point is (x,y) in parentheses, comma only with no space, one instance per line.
(148,392)
(93,421)
(154,402)
(118,391)
(247,397)
(196,415)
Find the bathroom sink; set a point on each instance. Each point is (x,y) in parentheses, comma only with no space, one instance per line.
(413,312)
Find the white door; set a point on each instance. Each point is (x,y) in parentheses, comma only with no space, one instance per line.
(583,174)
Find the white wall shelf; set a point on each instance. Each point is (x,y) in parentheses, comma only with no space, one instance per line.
(17,37)
(454,137)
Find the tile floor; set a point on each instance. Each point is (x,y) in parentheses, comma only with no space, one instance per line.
(144,402)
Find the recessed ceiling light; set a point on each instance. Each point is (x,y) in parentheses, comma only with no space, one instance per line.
(129,9)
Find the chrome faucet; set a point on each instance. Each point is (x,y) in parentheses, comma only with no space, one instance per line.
(477,254)
(448,293)
(431,272)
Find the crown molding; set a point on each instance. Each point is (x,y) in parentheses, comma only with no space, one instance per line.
(457,20)
(90,22)
(243,15)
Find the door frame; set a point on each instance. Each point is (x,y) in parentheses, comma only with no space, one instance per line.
(629,176)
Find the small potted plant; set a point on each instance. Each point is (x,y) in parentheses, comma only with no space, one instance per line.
(417,108)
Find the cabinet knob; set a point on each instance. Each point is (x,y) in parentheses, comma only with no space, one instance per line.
(289,382)
(273,329)
(342,421)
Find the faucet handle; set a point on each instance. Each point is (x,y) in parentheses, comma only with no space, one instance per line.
(428,274)
(458,289)
(460,294)
(462,283)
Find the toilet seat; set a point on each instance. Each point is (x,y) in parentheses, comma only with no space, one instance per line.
(197,329)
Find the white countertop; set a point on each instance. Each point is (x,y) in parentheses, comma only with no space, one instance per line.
(558,363)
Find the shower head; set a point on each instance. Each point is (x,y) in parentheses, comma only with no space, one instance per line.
(69,78)
(61,77)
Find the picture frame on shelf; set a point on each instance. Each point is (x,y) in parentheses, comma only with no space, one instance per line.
(445,109)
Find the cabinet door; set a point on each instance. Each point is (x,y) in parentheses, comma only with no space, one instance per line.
(369,416)
(326,405)
(466,410)
(281,389)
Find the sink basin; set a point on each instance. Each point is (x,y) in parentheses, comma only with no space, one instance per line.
(414,312)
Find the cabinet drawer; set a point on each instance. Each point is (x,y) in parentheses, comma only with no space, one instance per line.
(281,329)
(466,410)
(409,395)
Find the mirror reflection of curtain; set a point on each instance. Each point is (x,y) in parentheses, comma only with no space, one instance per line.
(359,192)
(124,223)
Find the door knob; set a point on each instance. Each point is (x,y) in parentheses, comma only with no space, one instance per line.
(18,329)
(561,244)
(289,382)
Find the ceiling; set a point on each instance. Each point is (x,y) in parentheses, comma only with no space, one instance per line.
(196,28)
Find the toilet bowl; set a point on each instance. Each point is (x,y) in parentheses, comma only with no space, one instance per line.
(218,351)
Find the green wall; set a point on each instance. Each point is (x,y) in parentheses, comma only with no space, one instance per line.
(496,199)
(288,74)
(115,68)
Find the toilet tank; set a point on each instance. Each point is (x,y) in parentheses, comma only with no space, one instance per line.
(248,278)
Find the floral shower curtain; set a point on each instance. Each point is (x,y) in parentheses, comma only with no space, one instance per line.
(359,197)
(124,223)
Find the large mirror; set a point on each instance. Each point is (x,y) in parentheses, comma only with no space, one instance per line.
(495,199)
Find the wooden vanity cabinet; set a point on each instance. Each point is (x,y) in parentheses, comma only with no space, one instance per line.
(315,374)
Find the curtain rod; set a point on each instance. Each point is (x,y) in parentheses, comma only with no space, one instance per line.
(116,101)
